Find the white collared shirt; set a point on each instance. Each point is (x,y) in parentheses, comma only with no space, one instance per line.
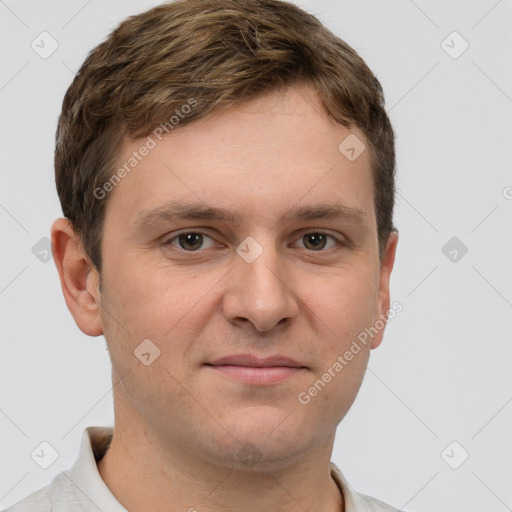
(81,488)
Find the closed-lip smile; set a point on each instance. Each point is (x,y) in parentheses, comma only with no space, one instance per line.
(254,370)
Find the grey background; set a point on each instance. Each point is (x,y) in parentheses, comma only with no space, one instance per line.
(443,371)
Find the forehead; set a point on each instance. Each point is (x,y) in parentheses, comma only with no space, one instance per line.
(265,155)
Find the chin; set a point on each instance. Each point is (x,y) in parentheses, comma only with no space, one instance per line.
(261,456)
(263,446)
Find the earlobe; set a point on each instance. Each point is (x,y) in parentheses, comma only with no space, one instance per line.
(78,277)
(383,301)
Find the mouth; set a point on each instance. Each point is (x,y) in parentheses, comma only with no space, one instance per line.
(253,370)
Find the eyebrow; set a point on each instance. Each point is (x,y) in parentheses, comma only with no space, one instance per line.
(174,211)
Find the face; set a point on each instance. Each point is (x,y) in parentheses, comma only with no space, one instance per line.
(243,249)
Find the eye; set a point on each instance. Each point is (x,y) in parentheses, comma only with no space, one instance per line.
(317,241)
(190,241)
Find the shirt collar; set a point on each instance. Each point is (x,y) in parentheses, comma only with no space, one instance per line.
(82,485)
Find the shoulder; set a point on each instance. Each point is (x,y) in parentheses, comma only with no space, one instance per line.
(374,505)
(38,501)
(355,502)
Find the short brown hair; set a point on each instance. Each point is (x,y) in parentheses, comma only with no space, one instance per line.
(217,52)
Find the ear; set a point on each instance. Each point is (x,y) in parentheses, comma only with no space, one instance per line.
(78,278)
(386,267)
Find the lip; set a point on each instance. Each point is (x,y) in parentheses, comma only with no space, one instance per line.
(254,370)
(256,362)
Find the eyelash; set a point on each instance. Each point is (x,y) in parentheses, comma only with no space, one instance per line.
(337,241)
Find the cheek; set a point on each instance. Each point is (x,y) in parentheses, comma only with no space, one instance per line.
(341,316)
(167,306)
(342,306)
(151,299)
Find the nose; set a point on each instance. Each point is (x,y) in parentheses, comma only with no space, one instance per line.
(260,294)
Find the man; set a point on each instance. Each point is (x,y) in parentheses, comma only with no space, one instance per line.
(226,172)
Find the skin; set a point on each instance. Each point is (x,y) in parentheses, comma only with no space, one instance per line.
(187,436)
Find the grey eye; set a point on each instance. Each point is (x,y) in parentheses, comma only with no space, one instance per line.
(190,241)
(317,241)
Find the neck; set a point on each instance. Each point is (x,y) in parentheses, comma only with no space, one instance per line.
(144,475)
